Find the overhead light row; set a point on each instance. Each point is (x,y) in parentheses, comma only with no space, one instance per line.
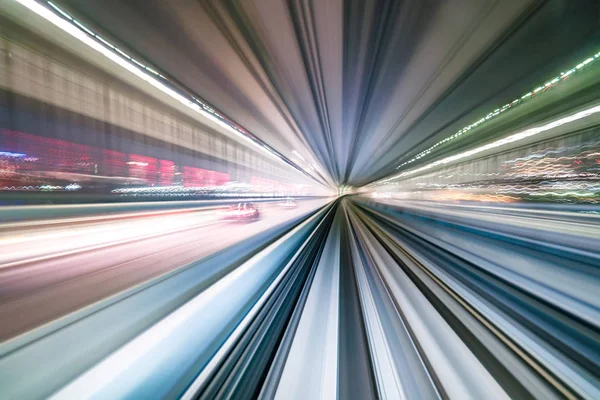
(78,30)
(501,142)
(520,100)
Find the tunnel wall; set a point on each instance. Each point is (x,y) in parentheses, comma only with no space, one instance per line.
(41,95)
(565,168)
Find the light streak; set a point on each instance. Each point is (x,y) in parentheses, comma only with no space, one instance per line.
(505,107)
(68,26)
(498,143)
(11,154)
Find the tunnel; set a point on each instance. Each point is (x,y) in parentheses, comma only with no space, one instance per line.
(300,199)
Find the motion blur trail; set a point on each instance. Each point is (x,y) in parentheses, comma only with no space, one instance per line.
(350,299)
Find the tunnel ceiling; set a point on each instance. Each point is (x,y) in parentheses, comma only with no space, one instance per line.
(350,88)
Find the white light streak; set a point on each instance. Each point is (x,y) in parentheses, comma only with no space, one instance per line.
(509,139)
(60,11)
(503,109)
(138,63)
(79,24)
(72,30)
(105,42)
